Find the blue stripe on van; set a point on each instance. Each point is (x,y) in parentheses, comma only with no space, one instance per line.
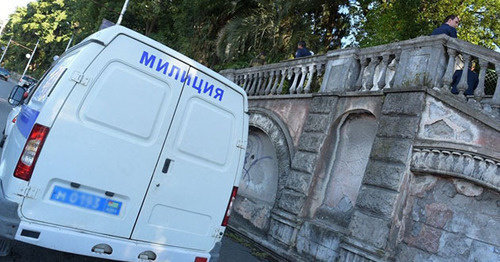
(26,120)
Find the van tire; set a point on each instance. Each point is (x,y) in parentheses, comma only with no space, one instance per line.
(4,137)
(5,247)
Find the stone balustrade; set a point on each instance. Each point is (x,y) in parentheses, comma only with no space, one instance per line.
(427,61)
(287,77)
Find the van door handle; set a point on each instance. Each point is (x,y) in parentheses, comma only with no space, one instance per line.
(166,165)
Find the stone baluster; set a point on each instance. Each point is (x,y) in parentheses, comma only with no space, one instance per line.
(385,64)
(397,56)
(278,77)
(265,80)
(296,76)
(240,80)
(359,83)
(371,73)
(496,96)
(448,75)
(251,92)
(270,83)
(260,79)
(245,83)
(310,75)
(462,84)
(303,75)
(283,76)
(479,92)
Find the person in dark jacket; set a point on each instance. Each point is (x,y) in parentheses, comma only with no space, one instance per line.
(472,81)
(448,27)
(302,50)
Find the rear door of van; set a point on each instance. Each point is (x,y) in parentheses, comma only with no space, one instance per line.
(98,160)
(192,184)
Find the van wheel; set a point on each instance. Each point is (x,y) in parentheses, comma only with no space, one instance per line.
(5,247)
(4,137)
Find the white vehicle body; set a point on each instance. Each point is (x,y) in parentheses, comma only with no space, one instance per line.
(126,150)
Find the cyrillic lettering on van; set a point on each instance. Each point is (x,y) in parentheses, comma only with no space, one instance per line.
(150,60)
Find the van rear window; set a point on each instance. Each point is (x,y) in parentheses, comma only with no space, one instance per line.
(49,81)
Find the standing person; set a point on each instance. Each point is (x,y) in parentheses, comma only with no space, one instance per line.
(259,60)
(448,27)
(472,81)
(302,50)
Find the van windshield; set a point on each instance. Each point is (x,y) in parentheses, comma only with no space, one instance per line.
(50,78)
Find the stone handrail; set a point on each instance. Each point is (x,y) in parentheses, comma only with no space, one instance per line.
(270,79)
(427,61)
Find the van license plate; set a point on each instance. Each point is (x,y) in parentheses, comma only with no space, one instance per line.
(85,200)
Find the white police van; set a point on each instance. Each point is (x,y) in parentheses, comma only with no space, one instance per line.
(126,150)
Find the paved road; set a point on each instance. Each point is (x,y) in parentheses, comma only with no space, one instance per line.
(231,250)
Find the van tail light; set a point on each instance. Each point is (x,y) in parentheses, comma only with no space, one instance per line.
(200,259)
(229,206)
(31,151)
(14,120)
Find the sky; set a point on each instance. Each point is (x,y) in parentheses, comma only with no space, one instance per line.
(8,7)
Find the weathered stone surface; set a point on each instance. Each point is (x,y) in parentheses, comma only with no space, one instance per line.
(372,230)
(317,242)
(323,104)
(398,126)
(438,214)
(281,232)
(299,181)
(409,103)
(454,246)
(377,200)
(311,142)
(445,223)
(258,214)
(383,174)
(317,123)
(304,161)
(423,237)
(291,201)
(480,251)
(391,150)
(466,188)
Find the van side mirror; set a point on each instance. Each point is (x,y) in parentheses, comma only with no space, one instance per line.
(17,95)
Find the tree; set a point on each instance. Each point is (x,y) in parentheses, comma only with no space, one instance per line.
(384,21)
(277,25)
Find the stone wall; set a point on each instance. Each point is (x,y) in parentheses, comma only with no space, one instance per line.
(394,174)
(383,164)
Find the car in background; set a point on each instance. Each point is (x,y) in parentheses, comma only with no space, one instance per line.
(27,81)
(16,100)
(4,73)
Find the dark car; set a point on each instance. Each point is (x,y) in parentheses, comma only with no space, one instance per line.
(5,74)
(27,81)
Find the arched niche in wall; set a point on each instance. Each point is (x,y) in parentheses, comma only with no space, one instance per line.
(353,142)
(267,161)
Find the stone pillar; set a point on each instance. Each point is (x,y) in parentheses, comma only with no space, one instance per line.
(229,74)
(341,70)
(287,219)
(376,223)
(421,63)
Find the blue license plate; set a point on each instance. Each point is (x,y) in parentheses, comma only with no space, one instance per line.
(85,200)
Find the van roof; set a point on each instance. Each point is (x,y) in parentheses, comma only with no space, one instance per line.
(107,35)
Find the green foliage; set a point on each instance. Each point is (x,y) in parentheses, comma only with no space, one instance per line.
(228,34)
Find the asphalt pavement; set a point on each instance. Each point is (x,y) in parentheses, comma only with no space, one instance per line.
(233,248)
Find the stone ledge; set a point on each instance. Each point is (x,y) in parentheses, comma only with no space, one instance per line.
(469,166)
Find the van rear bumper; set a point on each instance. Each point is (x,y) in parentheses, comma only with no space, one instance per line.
(9,220)
(84,243)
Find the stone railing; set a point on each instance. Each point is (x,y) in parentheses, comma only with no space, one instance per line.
(288,77)
(427,61)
